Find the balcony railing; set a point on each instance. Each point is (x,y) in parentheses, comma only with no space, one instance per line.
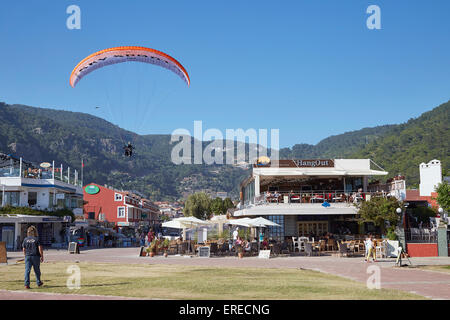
(40,174)
(308,197)
(9,172)
(421,235)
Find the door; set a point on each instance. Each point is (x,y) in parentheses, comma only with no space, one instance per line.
(305,228)
(8,237)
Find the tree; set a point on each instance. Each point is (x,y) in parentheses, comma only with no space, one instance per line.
(228,204)
(198,205)
(443,198)
(217,206)
(380,210)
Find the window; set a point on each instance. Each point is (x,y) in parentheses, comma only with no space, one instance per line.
(118,197)
(12,198)
(121,212)
(32,198)
(50,200)
(276,233)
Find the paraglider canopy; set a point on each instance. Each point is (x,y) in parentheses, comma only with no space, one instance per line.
(125,54)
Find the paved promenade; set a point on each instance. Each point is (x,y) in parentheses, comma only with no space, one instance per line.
(432,284)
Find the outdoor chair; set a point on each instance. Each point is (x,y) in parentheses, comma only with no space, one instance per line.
(309,249)
(330,244)
(343,249)
(295,244)
(223,249)
(276,248)
(380,250)
(285,247)
(254,248)
(213,248)
(322,245)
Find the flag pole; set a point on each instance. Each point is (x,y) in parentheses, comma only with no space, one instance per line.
(82,167)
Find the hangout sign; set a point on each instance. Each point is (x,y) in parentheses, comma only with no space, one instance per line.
(315,163)
(92,189)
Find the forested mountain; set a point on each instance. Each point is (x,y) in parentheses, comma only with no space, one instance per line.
(399,149)
(39,135)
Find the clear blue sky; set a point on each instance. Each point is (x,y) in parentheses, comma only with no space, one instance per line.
(309,68)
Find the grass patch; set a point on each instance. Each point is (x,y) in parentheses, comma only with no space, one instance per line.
(437,268)
(206,283)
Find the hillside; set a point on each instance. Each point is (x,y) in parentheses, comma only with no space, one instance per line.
(399,149)
(39,134)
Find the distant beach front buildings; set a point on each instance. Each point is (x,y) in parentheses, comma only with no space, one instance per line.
(41,187)
(317,196)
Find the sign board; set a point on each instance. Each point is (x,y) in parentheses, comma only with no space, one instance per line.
(52,219)
(203,252)
(392,248)
(59,196)
(3,257)
(45,165)
(123,224)
(73,247)
(92,189)
(315,163)
(264,254)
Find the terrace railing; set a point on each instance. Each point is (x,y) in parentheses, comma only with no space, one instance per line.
(319,196)
(421,235)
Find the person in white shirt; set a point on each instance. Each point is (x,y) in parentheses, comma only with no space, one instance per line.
(235,234)
(370,249)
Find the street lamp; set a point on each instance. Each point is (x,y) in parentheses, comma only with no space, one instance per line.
(442,215)
(398,210)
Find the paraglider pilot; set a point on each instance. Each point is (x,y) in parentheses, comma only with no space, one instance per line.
(128,150)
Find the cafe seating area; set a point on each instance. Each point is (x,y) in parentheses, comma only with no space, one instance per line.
(334,196)
(342,246)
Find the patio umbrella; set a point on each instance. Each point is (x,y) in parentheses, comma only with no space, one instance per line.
(263,222)
(173,224)
(220,220)
(185,223)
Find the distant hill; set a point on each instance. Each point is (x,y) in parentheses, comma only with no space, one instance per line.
(399,148)
(39,134)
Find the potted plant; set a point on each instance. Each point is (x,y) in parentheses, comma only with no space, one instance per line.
(164,246)
(153,248)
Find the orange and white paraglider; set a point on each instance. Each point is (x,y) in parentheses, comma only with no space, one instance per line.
(125,54)
(119,55)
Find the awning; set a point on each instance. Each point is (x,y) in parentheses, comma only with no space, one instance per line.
(296,209)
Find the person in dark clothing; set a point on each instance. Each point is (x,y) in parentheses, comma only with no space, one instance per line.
(128,150)
(34,255)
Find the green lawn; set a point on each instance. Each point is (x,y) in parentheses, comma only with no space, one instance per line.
(437,268)
(185,282)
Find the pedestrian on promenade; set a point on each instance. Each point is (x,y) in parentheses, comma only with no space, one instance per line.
(370,247)
(235,235)
(34,255)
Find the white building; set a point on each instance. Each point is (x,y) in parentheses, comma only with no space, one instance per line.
(430,177)
(308,196)
(23,184)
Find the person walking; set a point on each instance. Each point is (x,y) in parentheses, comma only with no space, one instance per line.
(370,248)
(34,255)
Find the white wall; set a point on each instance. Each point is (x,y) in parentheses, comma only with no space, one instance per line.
(430,177)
